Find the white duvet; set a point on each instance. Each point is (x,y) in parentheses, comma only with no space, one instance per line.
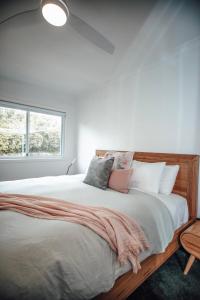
(45,259)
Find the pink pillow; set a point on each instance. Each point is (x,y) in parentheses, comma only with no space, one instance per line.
(119,180)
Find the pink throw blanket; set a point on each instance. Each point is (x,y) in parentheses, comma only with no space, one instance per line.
(124,235)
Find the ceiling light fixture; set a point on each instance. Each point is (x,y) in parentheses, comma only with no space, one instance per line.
(55,12)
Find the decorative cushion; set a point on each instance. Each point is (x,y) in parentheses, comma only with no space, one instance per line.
(168,179)
(123,160)
(99,171)
(146,176)
(119,180)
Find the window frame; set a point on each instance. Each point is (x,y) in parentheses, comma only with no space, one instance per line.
(28,109)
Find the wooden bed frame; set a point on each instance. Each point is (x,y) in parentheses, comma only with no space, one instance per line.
(187,186)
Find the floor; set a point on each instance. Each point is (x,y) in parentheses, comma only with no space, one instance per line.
(169,282)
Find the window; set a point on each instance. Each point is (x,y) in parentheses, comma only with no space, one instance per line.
(27,131)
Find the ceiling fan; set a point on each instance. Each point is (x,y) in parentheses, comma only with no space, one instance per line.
(57,13)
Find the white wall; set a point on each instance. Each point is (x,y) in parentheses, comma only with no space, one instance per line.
(37,96)
(156,109)
(153,101)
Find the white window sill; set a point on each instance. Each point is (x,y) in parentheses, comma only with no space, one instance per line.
(31,159)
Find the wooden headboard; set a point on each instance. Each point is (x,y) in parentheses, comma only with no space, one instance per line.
(187,180)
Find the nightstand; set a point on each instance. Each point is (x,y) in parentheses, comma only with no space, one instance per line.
(190,240)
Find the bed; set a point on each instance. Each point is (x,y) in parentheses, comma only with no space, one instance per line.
(186,185)
(30,249)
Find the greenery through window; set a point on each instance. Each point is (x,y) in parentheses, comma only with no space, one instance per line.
(30,132)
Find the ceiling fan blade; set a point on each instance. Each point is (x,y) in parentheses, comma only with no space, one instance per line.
(19,14)
(91,34)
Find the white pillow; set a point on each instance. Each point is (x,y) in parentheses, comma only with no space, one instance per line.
(168,179)
(146,176)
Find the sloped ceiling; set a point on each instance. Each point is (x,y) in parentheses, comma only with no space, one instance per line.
(35,52)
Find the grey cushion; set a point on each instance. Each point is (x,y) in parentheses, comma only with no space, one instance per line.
(99,172)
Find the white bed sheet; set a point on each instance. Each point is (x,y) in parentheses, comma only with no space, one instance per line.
(176,204)
(159,229)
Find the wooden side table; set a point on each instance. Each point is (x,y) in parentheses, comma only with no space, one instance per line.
(190,240)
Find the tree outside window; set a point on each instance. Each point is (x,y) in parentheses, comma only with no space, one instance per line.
(27,133)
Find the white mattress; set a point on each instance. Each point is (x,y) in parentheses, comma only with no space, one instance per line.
(157,220)
(176,204)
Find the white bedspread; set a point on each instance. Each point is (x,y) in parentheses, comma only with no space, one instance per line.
(44,259)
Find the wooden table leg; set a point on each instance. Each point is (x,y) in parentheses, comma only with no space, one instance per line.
(189,264)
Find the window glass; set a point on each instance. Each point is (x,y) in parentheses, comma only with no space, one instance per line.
(27,131)
(44,134)
(12,132)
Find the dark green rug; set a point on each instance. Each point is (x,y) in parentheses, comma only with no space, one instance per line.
(169,283)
